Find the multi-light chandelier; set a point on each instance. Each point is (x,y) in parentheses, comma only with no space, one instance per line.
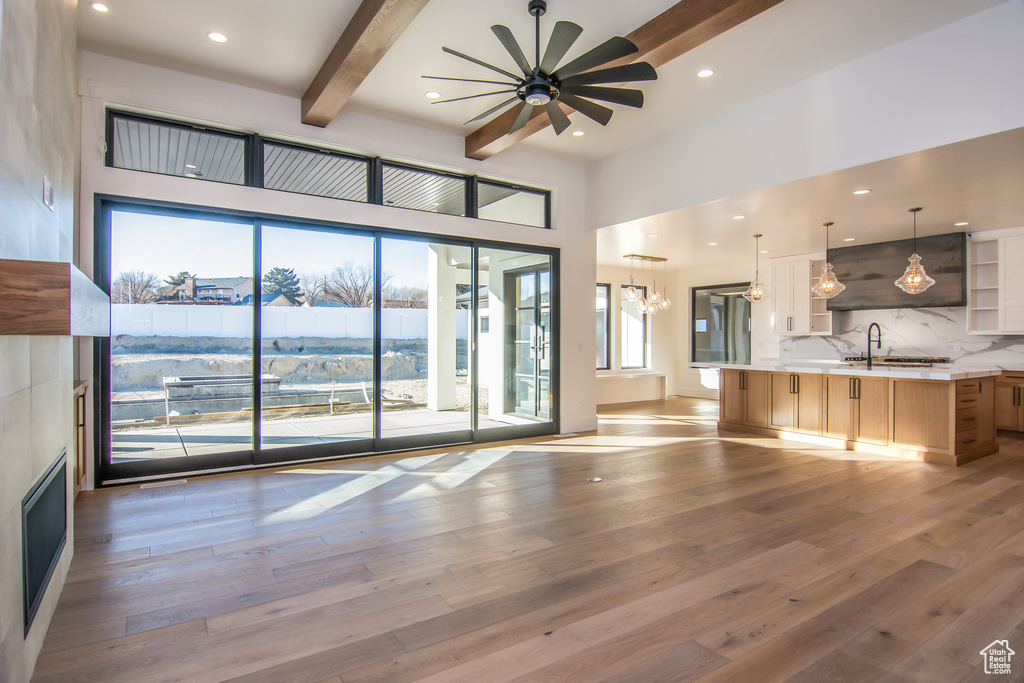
(637,292)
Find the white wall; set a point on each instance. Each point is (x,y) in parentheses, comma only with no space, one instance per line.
(955,83)
(662,333)
(106,80)
(37,136)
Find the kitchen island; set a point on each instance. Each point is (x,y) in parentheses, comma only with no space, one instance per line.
(943,414)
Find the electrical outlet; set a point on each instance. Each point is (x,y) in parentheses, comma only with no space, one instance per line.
(957,346)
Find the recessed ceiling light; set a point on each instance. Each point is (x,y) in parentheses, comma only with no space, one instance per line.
(712,244)
(432,94)
(190,165)
(217,37)
(849,239)
(578,133)
(99,7)
(960,225)
(864,191)
(704,73)
(764,251)
(738,217)
(652,234)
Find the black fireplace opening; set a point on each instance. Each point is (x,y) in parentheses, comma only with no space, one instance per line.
(44,530)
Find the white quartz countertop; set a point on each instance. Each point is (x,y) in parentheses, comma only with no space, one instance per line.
(952,371)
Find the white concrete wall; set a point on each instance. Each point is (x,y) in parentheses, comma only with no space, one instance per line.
(37,138)
(106,80)
(157,320)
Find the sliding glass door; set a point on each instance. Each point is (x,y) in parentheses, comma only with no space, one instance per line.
(317,336)
(517,340)
(341,340)
(180,370)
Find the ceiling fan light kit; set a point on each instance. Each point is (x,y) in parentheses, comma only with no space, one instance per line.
(574,85)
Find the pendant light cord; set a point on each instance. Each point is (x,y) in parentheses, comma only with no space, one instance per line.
(914,211)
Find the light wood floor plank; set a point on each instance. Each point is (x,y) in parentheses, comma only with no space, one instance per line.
(701,556)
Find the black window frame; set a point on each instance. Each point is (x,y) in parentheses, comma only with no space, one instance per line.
(264,141)
(254,151)
(607,325)
(106,474)
(643,341)
(469,203)
(519,188)
(250,164)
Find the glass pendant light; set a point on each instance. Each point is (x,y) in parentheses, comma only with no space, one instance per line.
(827,285)
(756,291)
(914,280)
(655,296)
(665,302)
(632,293)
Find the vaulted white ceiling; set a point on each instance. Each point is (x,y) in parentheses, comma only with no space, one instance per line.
(280,46)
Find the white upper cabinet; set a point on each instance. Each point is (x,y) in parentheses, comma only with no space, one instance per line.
(995,283)
(1011,284)
(795,310)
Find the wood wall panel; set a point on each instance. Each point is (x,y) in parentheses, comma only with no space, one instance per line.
(50,298)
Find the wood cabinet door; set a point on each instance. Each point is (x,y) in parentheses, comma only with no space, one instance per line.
(731,399)
(986,410)
(921,413)
(1006,411)
(783,406)
(838,407)
(809,402)
(756,383)
(872,424)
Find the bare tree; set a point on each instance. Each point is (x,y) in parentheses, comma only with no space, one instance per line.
(134,287)
(313,286)
(405,297)
(351,285)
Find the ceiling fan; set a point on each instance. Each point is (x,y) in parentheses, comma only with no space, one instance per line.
(575,84)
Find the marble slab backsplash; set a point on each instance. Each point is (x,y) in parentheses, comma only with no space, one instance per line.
(909,332)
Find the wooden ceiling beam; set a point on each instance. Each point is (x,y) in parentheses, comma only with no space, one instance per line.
(675,31)
(374,28)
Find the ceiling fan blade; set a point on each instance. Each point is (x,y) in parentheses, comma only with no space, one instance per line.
(467,80)
(608,51)
(627,73)
(493,109)
(470,97)
(558,118)
(626,96)
(510,43)
(484,64)
(562,38)
(522,119)
(591,110)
